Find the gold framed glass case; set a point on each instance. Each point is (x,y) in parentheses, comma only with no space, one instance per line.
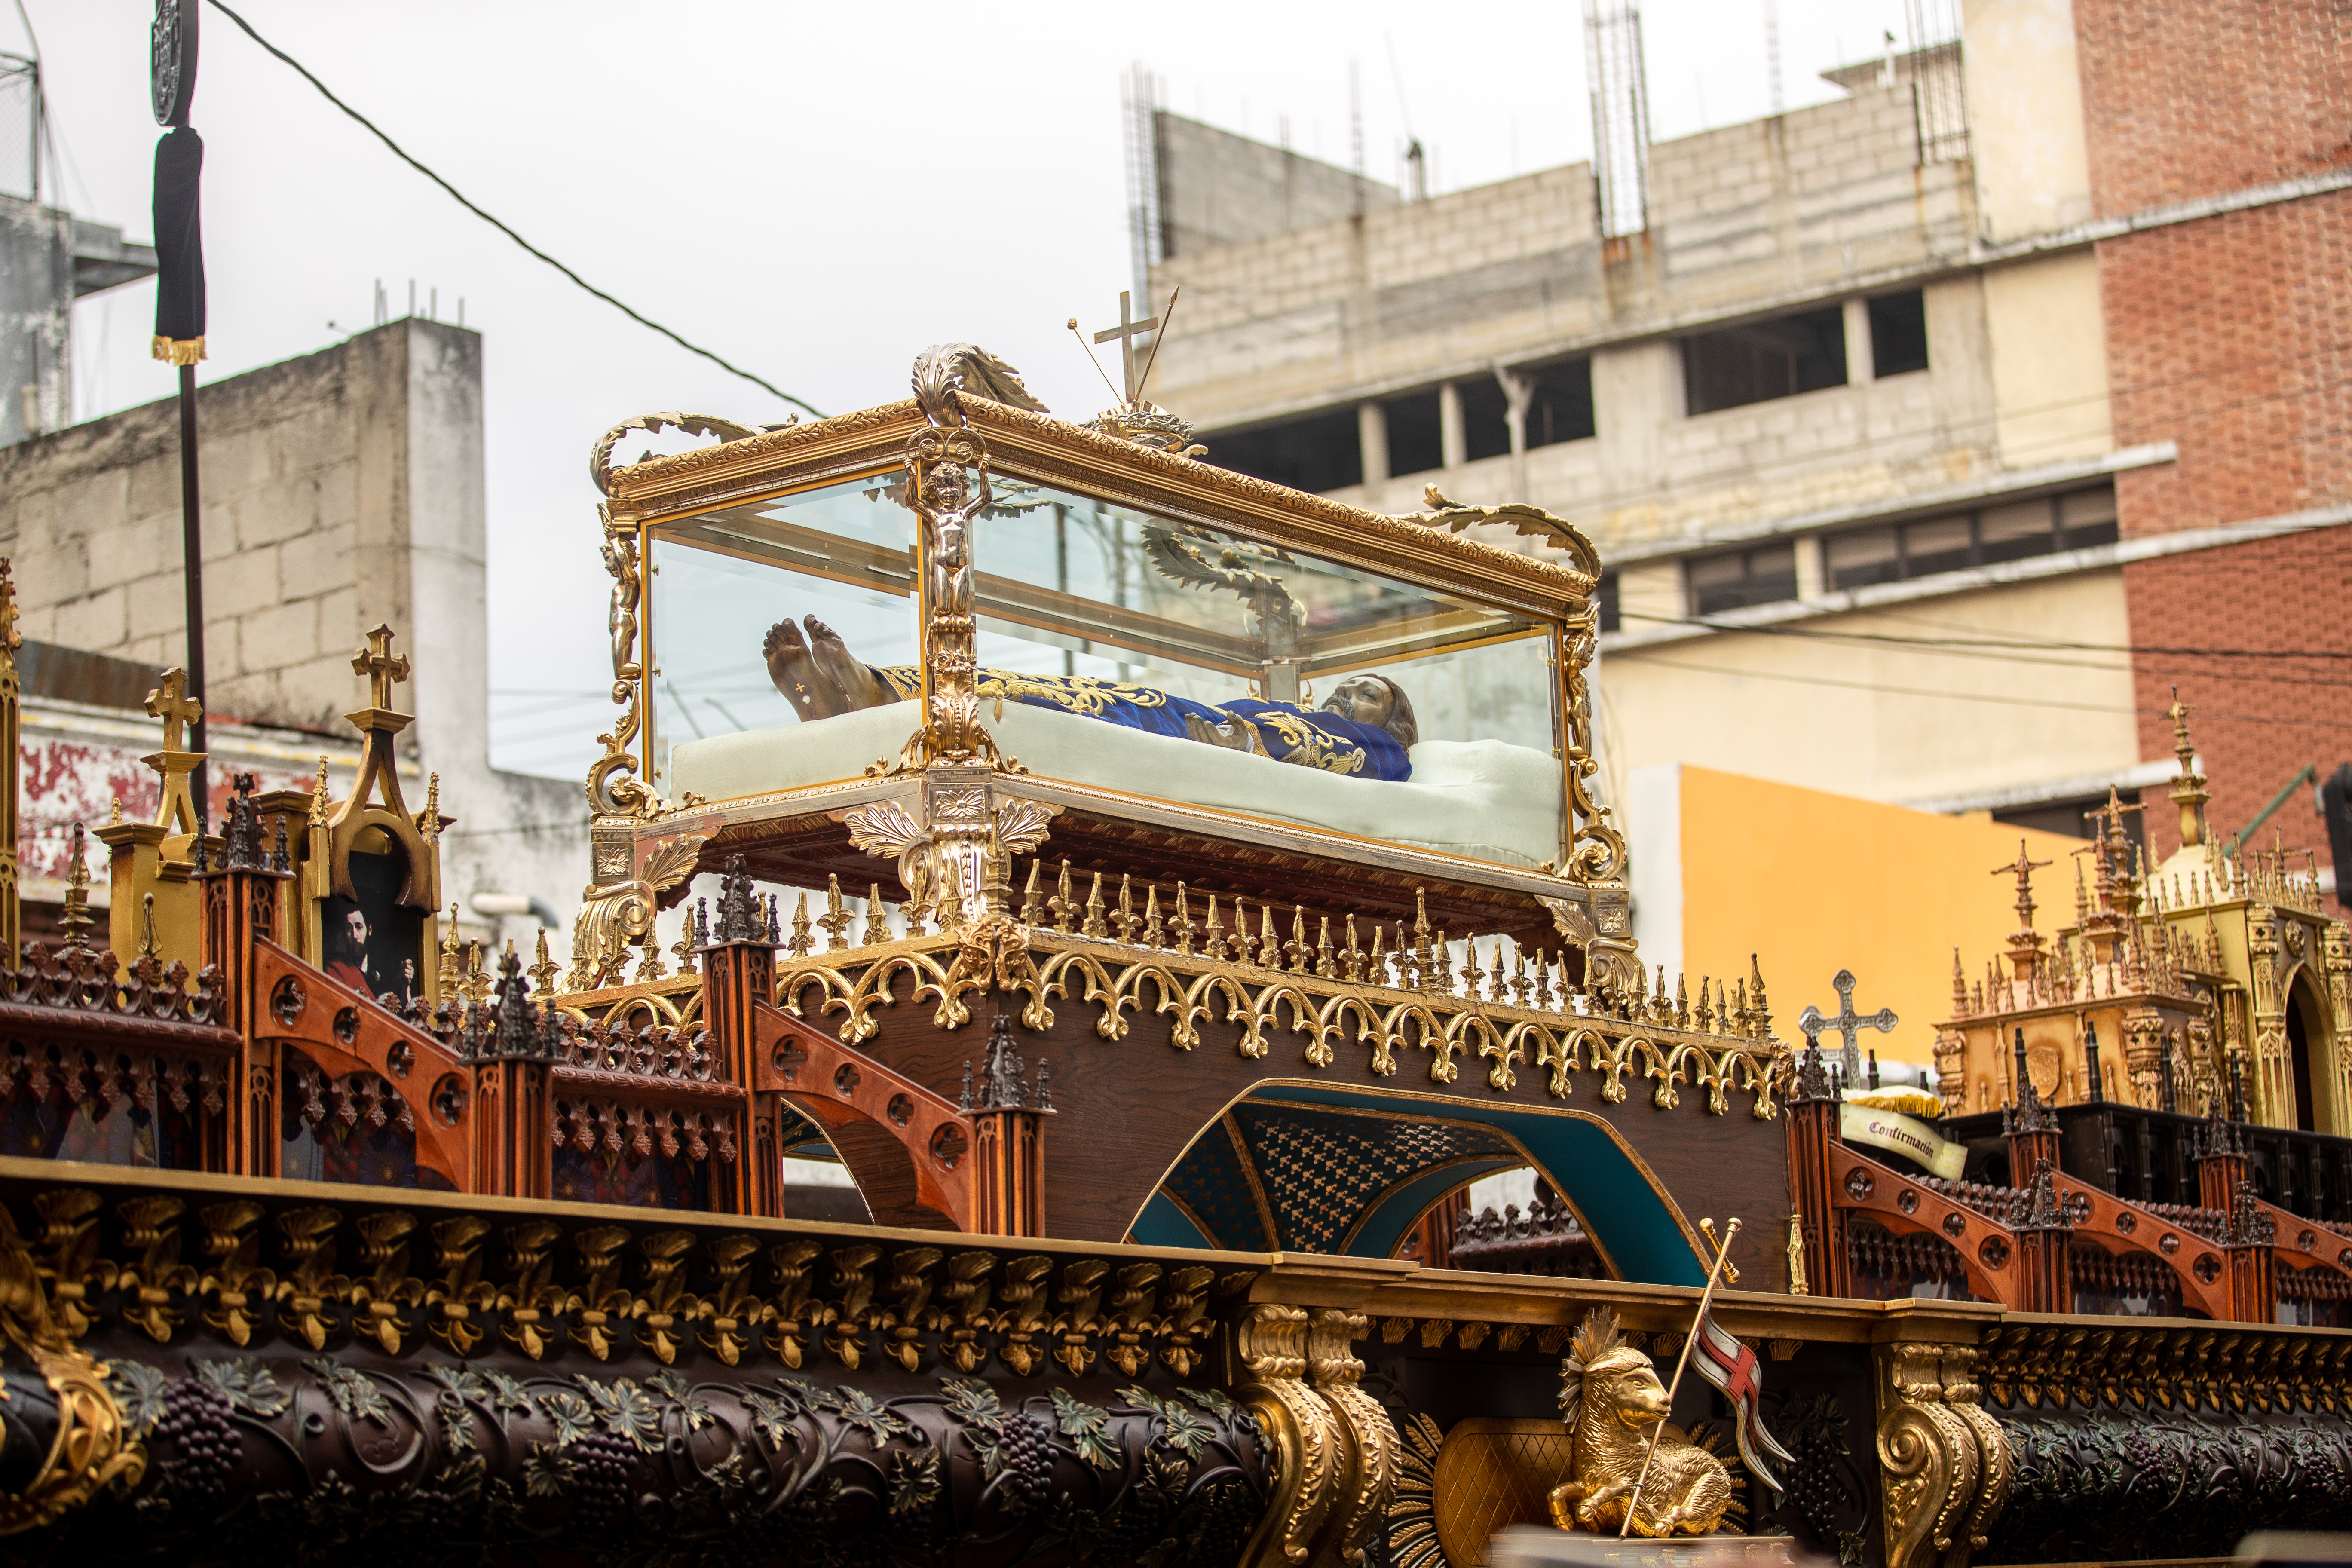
(1114,640)
(943,632)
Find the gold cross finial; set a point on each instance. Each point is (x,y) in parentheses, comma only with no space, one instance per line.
(2178,713)
(382,668)
(2022,869)
(170,702)
(1126,332)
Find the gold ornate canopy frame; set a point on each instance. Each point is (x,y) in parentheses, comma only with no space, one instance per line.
(951,810)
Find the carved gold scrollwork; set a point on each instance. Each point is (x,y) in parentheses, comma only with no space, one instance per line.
(616,910)
(1368,1450)
(91,1447)
(1301,1428)
(1946,1466)
(955,860)
(1334,1448)
(614,790)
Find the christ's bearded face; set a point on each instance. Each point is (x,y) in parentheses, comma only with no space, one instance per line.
(1363,699)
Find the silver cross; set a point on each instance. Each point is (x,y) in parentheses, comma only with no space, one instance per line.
(1846,1022)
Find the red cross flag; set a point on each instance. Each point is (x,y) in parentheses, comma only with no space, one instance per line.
(1733,1368)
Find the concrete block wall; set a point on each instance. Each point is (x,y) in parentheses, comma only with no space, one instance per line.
(91,516)
(1787,206)
(1217,188)
(1769,216)
(341,490)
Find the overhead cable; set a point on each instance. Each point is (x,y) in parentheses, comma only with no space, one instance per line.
(402,155)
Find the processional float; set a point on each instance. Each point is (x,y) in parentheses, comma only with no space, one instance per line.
(1161,893)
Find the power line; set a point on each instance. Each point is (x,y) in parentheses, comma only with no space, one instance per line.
(1983,695)
(2051,645)
(459,198)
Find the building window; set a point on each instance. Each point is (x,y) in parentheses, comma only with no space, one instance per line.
(1486,419)
(1738,578)
(1898,335)
(1764,360)
(1561,408)
(2073,818)
(1320,452)
(1891,551)
(1415,443)
(1605,600)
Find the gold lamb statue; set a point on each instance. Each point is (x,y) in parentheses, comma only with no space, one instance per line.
(1610,1398)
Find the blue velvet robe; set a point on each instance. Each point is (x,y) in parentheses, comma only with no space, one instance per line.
(1283,731)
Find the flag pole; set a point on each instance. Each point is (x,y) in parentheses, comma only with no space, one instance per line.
(192,558)
(180,316)
(1722,1260)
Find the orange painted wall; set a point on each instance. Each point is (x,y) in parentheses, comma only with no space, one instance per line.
(1812,882)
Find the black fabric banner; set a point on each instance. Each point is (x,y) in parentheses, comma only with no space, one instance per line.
(179,248)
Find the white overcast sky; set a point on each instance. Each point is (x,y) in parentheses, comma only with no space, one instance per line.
(815,192)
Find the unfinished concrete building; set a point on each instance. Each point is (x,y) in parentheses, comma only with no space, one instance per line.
(1840,410)
(341,488)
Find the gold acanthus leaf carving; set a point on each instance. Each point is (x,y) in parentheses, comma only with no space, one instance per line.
(667,865)
(1021,825)
(1530,522)
(883,828)
(600,456)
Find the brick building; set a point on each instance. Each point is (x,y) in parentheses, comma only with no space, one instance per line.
(1932,433)
(2231,335)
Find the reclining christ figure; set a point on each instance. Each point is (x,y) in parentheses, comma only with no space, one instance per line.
(1362,730)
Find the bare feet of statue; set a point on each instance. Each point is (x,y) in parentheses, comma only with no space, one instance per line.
(796,675)
(853,683)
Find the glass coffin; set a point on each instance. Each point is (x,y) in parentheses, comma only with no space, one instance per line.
(1118,650)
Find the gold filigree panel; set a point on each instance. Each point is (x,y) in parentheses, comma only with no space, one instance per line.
(1492,1473)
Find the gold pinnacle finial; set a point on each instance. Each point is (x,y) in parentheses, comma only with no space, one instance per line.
(75,917)
(319,795)
(543,971)
(2189,793)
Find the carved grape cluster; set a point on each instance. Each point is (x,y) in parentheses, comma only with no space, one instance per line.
(1027,1450)
(601,1464)
(196,1424)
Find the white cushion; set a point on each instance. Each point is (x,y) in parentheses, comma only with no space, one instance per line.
(1484,799)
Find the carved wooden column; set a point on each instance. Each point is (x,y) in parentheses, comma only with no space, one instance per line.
(512,1058)
(1008,1136)
(2248,1230)
(11,693)
(241,902)
(2045,1239)
(1813,1119)
(2273,1074)
(2031,1127)
(2221,1164)
(2253,1267)
(739,975)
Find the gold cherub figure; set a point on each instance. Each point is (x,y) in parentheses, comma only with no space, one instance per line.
(1610,1398)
